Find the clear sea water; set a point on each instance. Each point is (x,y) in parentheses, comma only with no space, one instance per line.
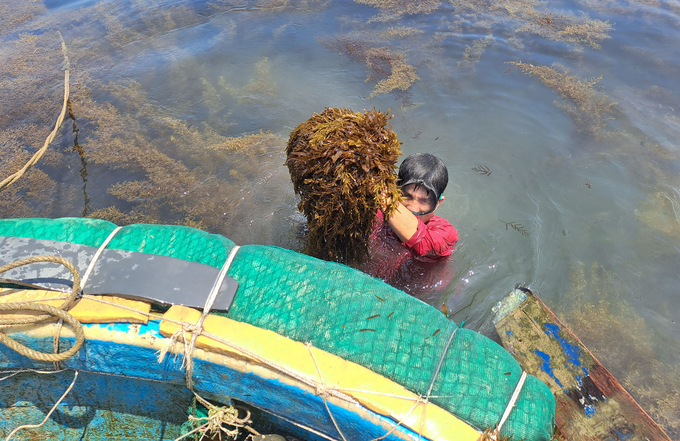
(560,183)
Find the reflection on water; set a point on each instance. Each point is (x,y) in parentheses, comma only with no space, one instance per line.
(558,120)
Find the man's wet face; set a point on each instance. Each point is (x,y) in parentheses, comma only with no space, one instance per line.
(419,201)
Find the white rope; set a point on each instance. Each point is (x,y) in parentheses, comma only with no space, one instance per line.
(21,371)
(400,422)
(188,327)
(90,267)
(55,342)
(512,402)
(35,426)
(441,361)
(434,379)
(206,310)
(302,426)
(321,391)
(336,392)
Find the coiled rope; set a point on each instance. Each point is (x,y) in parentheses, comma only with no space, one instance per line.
(51,311)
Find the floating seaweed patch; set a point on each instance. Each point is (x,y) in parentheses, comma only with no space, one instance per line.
(589,108)
(515,226)
(342,164)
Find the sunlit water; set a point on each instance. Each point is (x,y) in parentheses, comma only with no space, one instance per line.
(582,205)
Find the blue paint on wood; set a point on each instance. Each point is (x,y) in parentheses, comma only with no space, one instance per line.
(621,436)
(574,365)
(545,366)
(589,410)
(573,352)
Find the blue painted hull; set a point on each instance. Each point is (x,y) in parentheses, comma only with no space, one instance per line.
(123,393)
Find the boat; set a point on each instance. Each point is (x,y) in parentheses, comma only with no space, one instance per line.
(591,405)
(165,332)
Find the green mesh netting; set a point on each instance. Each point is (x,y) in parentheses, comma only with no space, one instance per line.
(344,312)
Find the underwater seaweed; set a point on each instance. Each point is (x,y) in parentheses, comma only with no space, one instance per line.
(199,189)
(387,67)
(32,81)
(400,32)
(262,82)
(485,13)
(35,194)
(395,9)
(342,164)
(633,356)
(473,53)
(261,87)
(528,16)
(661,212)
(590,109)
(211,98)
(567,28)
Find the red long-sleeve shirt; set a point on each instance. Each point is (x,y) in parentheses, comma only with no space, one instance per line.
(417,265)
(432,241)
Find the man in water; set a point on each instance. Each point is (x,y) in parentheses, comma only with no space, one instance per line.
(410,249)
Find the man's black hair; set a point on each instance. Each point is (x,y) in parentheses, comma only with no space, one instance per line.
(426,170)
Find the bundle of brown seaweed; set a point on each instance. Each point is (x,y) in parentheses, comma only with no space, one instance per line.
(342,164)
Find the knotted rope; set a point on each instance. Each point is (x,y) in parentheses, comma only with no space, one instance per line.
(197,329)
(51,311)
(216,419)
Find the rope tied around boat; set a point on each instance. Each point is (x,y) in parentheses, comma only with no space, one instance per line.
(511,404)
(322,389)
(51,311)
(197,329)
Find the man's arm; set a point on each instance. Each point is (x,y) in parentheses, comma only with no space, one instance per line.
(436,238)
(403,223)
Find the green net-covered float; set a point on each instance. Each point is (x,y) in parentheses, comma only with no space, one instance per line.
(325,350)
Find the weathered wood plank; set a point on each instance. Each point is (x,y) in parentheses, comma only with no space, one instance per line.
(590,403)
